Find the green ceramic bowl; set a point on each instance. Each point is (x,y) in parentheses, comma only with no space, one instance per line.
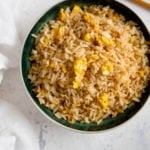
(29,44)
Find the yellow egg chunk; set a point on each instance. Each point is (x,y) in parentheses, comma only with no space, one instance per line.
(102,40)
(107,68)
(77,81)
(87,37)
(87,18)
(110,67)
(99,41)
(62,15)
(76,84)
(110,42)
(60,32)
(93,58)
(80,67)
(103,99)
(105,40)
(96,29)
(76,9)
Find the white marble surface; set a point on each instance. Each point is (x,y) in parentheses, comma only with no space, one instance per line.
(133,135)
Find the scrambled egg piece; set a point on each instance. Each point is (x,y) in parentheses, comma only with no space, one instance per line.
(93,58)
(76,84)
(80,67)
(76,9)
(107,68)
(87,18)
(96,29)
(77,81)
(103,99)
(102,40)
(62,15)
(87,37)
(60,32)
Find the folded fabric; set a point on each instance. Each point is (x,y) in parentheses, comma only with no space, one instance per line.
(16,132)
(9,42)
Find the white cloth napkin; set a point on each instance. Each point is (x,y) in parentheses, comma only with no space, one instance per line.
(9,42)
(16,132)
(16,19)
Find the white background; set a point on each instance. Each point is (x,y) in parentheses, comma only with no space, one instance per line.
(133,135)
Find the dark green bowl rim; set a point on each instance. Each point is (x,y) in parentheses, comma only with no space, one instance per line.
(25,65)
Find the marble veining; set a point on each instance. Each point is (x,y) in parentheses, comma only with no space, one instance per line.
(42,140)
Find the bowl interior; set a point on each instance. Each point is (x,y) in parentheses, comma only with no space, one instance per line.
(29,44)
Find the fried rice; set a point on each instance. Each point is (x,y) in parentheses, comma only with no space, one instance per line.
(89,64)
